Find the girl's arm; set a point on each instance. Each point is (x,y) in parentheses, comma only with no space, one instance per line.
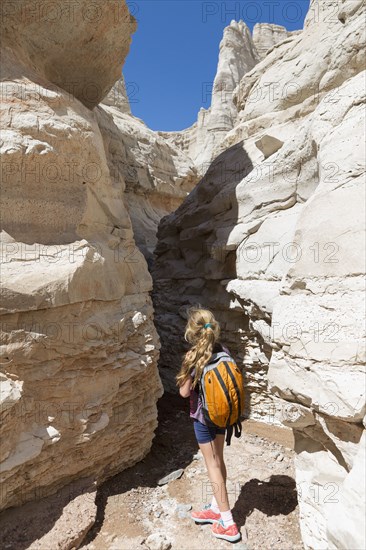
(185,388)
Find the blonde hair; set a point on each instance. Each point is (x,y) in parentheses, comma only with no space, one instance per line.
(202,339)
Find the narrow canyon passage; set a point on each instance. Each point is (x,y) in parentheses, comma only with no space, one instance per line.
(111,230)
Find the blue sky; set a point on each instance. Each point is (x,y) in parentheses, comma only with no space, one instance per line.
(174,52)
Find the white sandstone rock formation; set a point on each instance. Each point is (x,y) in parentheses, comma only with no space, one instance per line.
(79,379)
(237,57)
(320,363)
(266,35)
(273,241)
(239,53)
(155,174)
(118,98)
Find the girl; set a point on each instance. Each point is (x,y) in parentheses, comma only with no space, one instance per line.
(202,332)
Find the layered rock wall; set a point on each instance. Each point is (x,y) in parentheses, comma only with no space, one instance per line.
(272,239)
(266,35)
(155,174)
(79,379)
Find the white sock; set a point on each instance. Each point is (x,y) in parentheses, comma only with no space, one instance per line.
(214,506)
(227,518)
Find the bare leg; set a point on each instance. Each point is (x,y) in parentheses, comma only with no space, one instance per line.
(218,444)
(213,455)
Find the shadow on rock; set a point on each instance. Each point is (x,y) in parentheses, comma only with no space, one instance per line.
(59,520)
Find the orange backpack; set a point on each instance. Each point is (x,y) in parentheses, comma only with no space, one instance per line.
(222,394)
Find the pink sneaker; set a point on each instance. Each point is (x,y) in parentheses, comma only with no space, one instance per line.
(230,534)
(206,515)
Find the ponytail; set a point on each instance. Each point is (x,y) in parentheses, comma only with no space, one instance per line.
(202,331)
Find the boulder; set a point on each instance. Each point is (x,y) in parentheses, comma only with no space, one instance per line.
(77,46)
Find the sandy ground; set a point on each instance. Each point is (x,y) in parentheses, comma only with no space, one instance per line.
(133,512)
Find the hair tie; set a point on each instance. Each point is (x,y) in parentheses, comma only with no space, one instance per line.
(207,325)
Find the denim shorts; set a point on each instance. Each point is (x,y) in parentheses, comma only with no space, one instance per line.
(205,434)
